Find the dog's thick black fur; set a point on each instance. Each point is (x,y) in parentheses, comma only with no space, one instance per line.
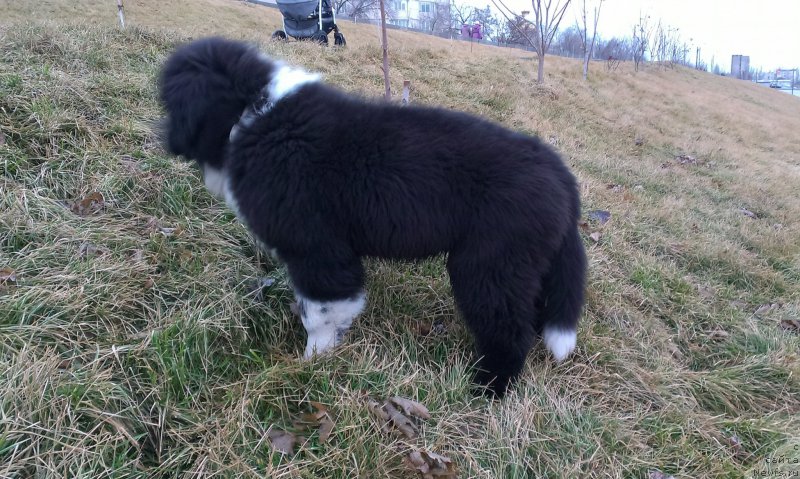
(326,178)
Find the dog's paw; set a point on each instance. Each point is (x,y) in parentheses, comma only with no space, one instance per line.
(490,385)
(319,343)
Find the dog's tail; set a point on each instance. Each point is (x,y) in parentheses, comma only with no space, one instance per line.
(561,300)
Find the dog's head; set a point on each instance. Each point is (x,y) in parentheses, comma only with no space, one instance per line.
(204,87)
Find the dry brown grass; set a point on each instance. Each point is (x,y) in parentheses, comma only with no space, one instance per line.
(152,358)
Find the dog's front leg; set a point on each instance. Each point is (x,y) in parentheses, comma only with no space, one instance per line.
(326,322)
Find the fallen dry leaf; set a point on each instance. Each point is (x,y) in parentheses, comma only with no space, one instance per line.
(765,308)
(8,275)
(392,418)
(411,408)
(88,250)
(792,325)
(325,429)
(738,304)
(430,465)
(321,420)
(377,410)
(8,278)
(655,474)
(748,213)
(718,335)
(400,421)
(92,203)
(155,226)
(282,441)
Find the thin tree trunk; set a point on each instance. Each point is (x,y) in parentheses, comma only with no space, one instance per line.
(586,65)
(540,75)
(589,53)
(385,53)
(121,13)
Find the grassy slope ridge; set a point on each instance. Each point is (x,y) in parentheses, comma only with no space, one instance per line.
(132,349)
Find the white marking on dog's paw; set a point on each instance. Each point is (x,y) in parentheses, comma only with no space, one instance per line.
(327,321)
(320,341)
(560,342)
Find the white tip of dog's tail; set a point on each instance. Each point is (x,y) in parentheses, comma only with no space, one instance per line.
(560,342)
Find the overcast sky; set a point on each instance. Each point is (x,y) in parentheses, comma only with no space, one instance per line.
(767,31)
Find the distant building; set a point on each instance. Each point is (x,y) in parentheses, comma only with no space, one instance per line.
(740,67)
(425,15)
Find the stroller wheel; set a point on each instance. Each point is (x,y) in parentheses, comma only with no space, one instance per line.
(338,39)
(320,37)
(279,35)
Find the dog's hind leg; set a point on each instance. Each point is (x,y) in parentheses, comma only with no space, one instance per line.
(496,294)
(330,295)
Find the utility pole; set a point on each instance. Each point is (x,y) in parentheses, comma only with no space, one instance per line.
(697,59)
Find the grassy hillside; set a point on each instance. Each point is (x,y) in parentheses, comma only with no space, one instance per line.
(133,342)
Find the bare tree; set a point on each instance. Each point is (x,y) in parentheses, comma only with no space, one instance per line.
(667,49)
(642,33)
(614,48)
(588,45)
(547,18)
(461,14)
(568,43)
(121,13)
(519,31)
(438,19)
(339,6)
(358,9)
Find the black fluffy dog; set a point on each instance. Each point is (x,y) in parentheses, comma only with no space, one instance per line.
(324,179)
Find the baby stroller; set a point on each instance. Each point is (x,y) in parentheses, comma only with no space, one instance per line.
(308,19)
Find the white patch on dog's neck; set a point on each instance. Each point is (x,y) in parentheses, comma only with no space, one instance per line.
(286,80)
